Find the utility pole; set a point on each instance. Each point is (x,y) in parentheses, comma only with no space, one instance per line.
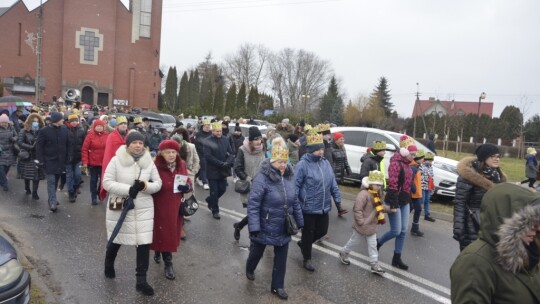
(414,111)
(38,51)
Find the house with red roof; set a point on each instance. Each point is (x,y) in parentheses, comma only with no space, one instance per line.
(434,106)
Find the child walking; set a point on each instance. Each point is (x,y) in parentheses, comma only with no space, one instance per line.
(368,213)
(427,184)
(531,167)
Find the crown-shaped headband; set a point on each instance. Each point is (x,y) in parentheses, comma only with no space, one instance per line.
(376,177)
(420,154)
(378,145)
(279,153)
(216,125)
(429,156)
(323,128)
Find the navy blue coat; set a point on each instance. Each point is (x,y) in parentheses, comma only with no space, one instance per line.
(219,157)
(316,184)
(52,148)
(266,210)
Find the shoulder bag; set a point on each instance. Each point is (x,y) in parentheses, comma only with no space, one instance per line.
(290,224)
(242,186)
(117,202)
(189,206)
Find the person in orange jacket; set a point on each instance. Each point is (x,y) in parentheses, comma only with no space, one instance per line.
(416,192)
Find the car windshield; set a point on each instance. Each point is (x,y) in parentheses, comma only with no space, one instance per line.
(418,144)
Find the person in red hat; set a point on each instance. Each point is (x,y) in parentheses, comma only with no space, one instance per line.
(167,217)
(92,153)
(339,157)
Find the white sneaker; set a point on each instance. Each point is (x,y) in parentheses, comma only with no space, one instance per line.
(235,179)
(199,182)
(206,187)
(377,269)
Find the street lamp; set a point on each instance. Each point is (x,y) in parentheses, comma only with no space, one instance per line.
(482,96)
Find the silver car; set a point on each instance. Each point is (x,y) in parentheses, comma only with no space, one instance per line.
(359,139)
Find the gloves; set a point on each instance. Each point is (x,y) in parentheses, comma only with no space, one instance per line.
(84,169)
(254,234)
(340,210)
(183,188)
(137,186)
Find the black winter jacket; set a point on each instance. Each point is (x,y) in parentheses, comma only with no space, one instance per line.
(341,164)
(76,140)
(370,163)
(470,189)
(219,157)
(52,148)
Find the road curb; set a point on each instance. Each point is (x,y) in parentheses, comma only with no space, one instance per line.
(346,196)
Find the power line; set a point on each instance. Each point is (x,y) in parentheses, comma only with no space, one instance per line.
(259,5)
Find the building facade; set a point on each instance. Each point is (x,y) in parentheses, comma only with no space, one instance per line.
(108,51)
(438,107)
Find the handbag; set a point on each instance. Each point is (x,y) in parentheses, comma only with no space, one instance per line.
(242,186)
(116,203)
(24,155)
(189,206)
(290,223)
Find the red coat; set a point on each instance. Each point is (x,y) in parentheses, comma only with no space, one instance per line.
(167,221)
(93,148)
(114,141)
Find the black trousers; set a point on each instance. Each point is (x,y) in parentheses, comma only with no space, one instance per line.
(143,257)
(315,227)
(529,180)
(256,251)
(243,223)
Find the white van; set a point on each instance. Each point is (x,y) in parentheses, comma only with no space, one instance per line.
(359,139)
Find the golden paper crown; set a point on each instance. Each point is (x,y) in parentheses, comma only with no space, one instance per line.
(429,156)
(313,137)
(378,145)
(216,125)
(121,119)
(419,154)
(376,177)
(406,141)
(137,120)
(323,128)
(73,117)
(307,128)
(206,122)
(279,153)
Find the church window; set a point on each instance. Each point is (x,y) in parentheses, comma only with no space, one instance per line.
(146,18)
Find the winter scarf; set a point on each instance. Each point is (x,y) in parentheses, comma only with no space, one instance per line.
(378,206)
(492,174)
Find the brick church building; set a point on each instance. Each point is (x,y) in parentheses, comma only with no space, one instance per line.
(108,51)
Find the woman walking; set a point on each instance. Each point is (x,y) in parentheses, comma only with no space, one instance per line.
(272,196)
(531,167)
(132,173)
(167,218)
(8,138)
(339,157)
(92,152)
(27,142)
(399,198)
(476,176)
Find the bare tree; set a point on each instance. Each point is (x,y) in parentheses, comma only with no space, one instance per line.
(247,65)
(298,78)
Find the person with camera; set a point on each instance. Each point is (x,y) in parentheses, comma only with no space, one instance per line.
(219,160)
(27,142)
(271,200)
(167,217)
(247,164)
(132,173)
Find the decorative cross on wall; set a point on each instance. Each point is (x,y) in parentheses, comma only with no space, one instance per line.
(90,42)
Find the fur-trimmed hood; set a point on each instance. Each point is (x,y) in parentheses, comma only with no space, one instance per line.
(127,160)
(30,119)
(508,212)
(466,168)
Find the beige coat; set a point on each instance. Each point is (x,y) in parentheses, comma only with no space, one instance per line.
(119,176)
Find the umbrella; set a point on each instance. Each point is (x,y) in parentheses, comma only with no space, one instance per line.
(14,101)
(128,205)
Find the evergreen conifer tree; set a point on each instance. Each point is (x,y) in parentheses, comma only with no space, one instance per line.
(240,109)
(194,89)
(219,100)
(252,101)
(328,101)
(183,93)
(381,97)
(171,86)
(207,97)
(230,102)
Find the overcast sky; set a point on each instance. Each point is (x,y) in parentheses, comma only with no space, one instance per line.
(453,49)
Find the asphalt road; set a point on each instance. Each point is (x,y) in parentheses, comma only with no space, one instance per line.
(67,248)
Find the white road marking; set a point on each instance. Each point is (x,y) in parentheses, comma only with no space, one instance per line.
(439,298)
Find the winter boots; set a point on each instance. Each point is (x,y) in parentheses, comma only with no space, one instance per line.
(169,271)
(415,230)
(27,186)
(397,262)
(35,186)
(110,256)
(143,287)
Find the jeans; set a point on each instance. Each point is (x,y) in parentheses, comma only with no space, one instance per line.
(426,196)
(399,221)
(371,242)
(315,227)
(52,182)
(217,189)
(4,169)
(417,207)
(95,175)
(73,176)
(256,251)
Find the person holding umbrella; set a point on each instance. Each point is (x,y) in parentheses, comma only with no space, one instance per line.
(131,173)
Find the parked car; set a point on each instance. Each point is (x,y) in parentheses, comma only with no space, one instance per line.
(168,121)
(14,279)
(191,121)
(245,128)
(358,139)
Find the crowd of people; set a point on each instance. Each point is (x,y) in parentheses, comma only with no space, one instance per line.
(291,173)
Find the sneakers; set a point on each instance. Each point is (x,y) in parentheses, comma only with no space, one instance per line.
(377,269)
(199,182)
(344,258)
(235,180)
(216,216)
(206,187)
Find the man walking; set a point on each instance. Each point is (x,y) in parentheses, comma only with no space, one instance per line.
(219,161)
(53,153)
(73,168)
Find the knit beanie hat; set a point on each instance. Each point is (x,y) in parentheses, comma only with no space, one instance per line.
(254,133)
(98,122)
(338,136)
(237,128)
(486,150)
(169,144)
(73,117)
(134,135)
(56,117)
(406,145)
(4,118)
(112,122)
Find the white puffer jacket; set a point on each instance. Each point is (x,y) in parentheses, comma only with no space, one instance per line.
(119,176)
